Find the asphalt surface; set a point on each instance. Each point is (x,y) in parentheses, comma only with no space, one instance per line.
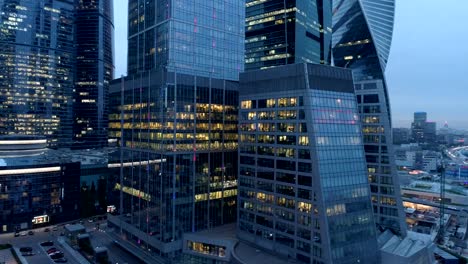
(40,256)
(99,237)
(116,254)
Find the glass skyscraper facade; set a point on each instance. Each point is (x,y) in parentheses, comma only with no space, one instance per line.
(279,32)
(303,187)
(185,129)
(37,68)
(198,37)
(175,116)
(94,71)
(362,35)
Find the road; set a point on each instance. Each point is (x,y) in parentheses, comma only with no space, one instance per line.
(33,241)
(456,155)
(116,254)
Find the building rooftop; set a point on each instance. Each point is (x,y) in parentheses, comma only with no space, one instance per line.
(89,157)
(75,228)
(407,247)
(434,187)
(247,254)
(224,232)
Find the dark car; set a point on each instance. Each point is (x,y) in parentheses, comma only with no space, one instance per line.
(52,250)
(26,249)
(60,260)
(31,232)
(17,234)
(47,243)
(46,229)
(56,255)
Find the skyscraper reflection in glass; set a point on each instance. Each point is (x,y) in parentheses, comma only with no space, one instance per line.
(36,68)
(362,35)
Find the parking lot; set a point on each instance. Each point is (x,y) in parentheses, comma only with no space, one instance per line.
(98,236)
(38,252)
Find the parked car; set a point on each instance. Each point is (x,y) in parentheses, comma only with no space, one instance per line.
(54,228)
(23,233)
(51,250)
(17,234)
(31,232)
(29,253)
(25,249)
(56,255)
(47,243)
(46,229)
(60,260)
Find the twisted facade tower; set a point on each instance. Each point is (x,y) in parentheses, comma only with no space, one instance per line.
(362,35)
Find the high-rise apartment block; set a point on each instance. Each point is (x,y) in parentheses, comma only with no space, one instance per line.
(362,34)
(303,187)
(94,71)
(279,32)
(176,113)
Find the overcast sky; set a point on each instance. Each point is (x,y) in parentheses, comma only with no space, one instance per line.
(428,64)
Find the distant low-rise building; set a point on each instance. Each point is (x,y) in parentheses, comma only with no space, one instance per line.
(35,189)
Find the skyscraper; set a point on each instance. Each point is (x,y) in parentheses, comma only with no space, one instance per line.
(423,131)
(279,32)
(94,71)
(417,127)
(198,37)
(362,34)
(37,69)
(303,188)
(175,117)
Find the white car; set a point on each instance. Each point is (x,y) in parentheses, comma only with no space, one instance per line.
(23,233)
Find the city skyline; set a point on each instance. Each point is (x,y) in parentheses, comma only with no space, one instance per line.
(410,69)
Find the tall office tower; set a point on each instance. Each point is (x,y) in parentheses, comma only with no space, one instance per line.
(417,127)
(279,32)
(303,188)
(198,37)
(176,117)
(94,71)
(36,69)
(362,34)
(430,135)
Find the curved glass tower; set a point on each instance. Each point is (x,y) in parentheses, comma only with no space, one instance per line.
(36,68)
(362,34)
(94,70)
